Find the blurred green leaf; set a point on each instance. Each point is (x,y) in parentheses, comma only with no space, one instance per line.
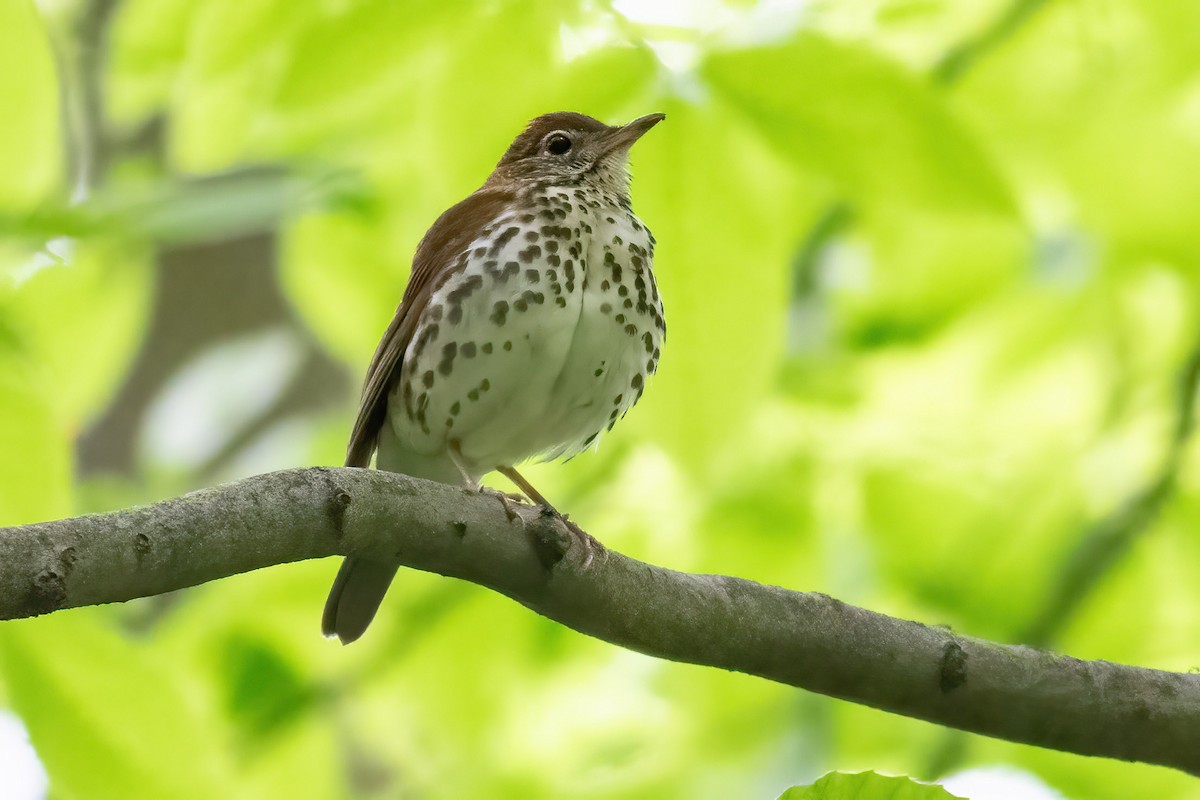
(235,52)
(35,472)
(30,143)
(865,786)
(107,719)
(876,128)
(148,44)
(82,322)
(265,693)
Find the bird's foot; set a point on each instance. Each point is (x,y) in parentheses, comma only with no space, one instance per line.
(507,499)
(582,537)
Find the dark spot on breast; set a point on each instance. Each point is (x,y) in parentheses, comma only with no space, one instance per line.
(427,378)
(519,304)
(606,308)
(531,236)
(631,329)
(486,347)
(455,408)
(446,365)
(529,254)
(467,349)
(499,312)
(508,344)
(532,275)
(636,383)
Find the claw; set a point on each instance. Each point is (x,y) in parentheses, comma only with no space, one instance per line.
(505,499)
(585,539)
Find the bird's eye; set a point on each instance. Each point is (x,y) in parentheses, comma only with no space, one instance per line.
(558,144)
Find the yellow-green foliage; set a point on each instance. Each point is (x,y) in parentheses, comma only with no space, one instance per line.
(926,325)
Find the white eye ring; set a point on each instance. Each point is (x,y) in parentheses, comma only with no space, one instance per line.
(558,143)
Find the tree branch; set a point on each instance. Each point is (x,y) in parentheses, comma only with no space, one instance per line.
(801,639)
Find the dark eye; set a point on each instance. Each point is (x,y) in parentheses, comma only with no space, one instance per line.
(558,143)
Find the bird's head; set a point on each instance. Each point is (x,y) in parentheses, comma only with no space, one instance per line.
(566,148)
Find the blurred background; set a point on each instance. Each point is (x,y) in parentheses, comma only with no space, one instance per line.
(931,275)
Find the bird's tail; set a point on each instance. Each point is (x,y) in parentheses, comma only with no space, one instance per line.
(355,597)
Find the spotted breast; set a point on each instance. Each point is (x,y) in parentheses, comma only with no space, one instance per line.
(542,338)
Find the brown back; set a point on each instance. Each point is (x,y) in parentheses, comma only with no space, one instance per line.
(437,257)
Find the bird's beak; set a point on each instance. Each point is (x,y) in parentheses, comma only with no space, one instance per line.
(623,137)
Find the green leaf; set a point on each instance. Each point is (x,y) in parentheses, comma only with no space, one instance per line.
(877,129)
(35,449)
(108,719)
(35,452)
(865,786)
(82,322)
(148,44)
(236,49)
(30,146)
(916,271)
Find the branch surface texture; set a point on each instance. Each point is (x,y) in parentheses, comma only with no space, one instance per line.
(802,639)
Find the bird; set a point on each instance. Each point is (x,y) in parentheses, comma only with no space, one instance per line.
(530,324)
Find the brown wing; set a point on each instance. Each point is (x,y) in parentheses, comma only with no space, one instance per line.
(436,259)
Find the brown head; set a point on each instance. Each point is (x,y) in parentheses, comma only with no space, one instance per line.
(567,148)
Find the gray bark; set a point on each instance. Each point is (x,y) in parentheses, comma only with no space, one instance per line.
(802,639)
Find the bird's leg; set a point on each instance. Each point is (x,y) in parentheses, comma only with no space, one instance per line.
(584,538)
(454,449)
(526,487)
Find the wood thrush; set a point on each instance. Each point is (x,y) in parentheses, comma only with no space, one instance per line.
(529,326)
